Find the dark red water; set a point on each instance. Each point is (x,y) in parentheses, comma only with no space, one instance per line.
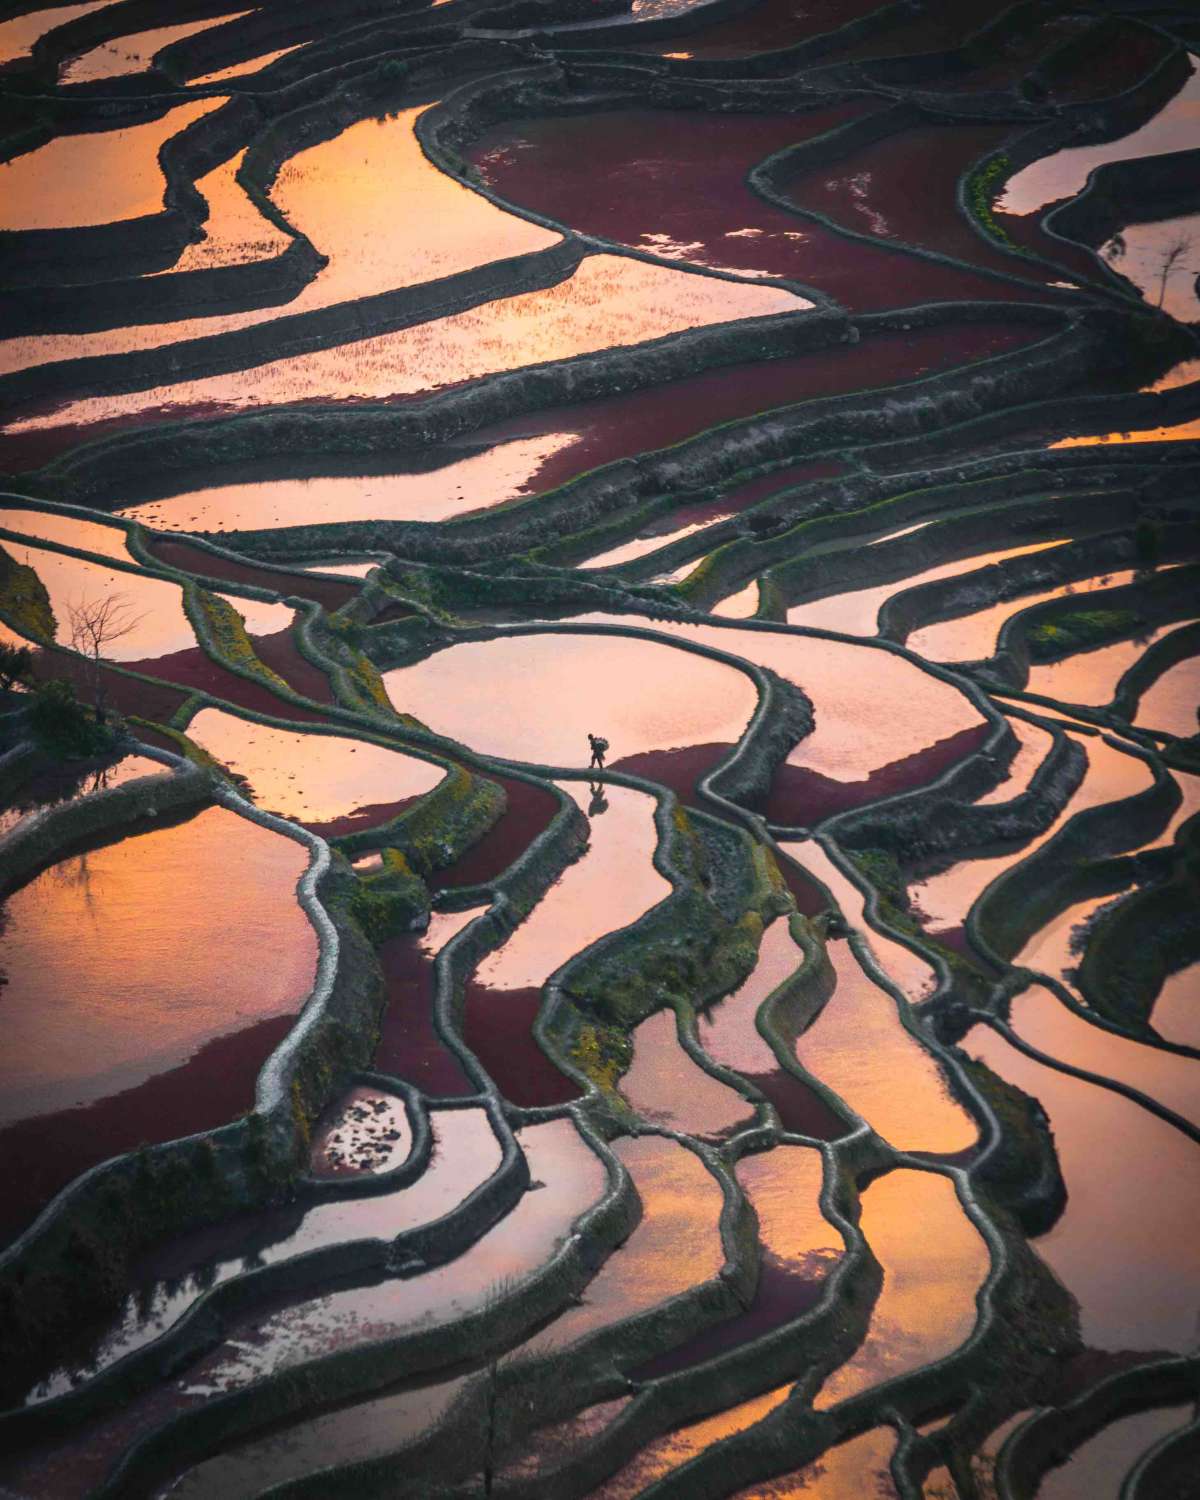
(675,183)
(210,1089)
(903,188)
(530,810)
(498,1027)
(940,26)
(765,27)
(809,899)
(281,654)
(194,670)
(328,592)
(1111,68)
(783,1294)
(621,426)
(678,769)
(409,1046)
(800,798)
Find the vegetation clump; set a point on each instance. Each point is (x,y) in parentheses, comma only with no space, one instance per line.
(983,188)
(1081,631)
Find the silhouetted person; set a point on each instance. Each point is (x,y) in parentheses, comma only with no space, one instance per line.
(599,802)
(599,746)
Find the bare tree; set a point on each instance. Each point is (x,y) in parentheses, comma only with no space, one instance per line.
(95,625)
(1172,254)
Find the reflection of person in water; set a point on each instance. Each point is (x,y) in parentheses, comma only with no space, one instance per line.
(599,802)
(599,746)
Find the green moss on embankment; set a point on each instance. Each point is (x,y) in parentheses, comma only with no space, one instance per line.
(219,625)
(983,188)
(186,747)
(1082,631)
(602,1054)
(24,600)
(884,873)
(684,950)
(360,673)
(391,902)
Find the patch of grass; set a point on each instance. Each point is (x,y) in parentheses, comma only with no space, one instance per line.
(1081,631)
(983,187)
(226,630)
(24,600)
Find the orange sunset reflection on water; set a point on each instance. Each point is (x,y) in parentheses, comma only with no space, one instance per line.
(369,199)
(98,178)
(163,926)
(314,778)
(610,300)
(934,1261)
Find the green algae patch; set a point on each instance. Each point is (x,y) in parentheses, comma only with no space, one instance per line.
(24,601)
(223,631)
(1081,631)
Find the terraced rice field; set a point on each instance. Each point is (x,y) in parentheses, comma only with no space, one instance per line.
(802,1101)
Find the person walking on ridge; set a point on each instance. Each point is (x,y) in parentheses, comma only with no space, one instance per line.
(599,746)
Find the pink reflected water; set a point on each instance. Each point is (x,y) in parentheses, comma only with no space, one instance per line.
(536,697)
(71,531)
(666,1087)
(973,637)
(1098,1465)
(1043,1021)
(675,1246)
(872,707)
(18,33)
(147,1025)
(456,487)
(366,1131)
(856,612)
(945,899)
(1172,701)
(235,232)
(145,981)
(858,1048)
(728,1033)
(610,887)
(1065,173)
(133,53)
(1176,1015)
(150,607)
(1090,677)
(572,1179)
(322,780)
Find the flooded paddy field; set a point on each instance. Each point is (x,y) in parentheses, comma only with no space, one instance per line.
(599,760)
